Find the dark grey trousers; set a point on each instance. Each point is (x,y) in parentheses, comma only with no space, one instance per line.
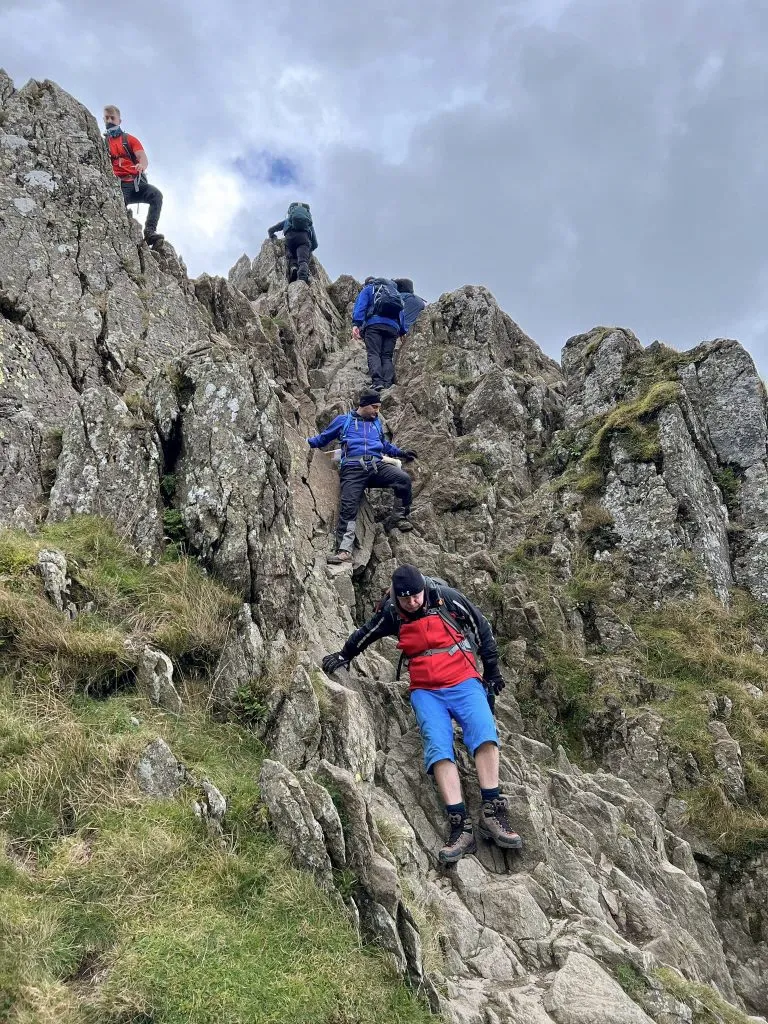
(355,479)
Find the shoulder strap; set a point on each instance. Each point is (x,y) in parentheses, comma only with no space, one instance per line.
(127,147)
(347,422)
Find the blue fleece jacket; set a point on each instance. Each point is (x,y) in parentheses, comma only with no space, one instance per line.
(363,437)
(360,317)
(412,306)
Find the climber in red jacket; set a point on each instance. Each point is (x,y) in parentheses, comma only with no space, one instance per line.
(441,633)
(129,162)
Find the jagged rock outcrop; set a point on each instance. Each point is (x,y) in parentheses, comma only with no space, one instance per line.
(180,409)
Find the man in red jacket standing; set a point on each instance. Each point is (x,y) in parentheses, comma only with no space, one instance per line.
(129,162)
(441,633)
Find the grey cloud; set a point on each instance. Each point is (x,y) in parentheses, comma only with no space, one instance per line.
(588,161)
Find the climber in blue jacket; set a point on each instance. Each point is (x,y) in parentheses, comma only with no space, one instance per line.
(363,447)
(379,319)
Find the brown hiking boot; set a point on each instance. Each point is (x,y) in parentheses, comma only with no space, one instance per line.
(460,841)
(340,558)
(495,826)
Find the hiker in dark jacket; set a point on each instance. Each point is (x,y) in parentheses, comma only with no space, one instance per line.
(378,319)
(300,240)
(129,163)
(363,448)
(440,633)
(412,304)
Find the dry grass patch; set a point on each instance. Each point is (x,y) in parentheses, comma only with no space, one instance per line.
(172,605)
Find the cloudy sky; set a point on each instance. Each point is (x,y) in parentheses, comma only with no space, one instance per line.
(590,161)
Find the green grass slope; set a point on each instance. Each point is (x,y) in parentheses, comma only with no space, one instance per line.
(115,908)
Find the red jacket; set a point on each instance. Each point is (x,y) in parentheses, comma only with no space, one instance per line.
(441,668)
(122,165)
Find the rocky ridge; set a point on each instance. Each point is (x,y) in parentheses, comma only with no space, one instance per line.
(574,502)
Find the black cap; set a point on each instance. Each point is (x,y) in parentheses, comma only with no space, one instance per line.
(404,284)
(407,581)
(369,397)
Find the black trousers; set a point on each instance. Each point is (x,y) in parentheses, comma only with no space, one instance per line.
(298,249)
(356,477)
(380,341)
(146,193)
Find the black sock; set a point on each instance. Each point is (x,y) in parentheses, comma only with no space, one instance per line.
(490,794)
(456,809)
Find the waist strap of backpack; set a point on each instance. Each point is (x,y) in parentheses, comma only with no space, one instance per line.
(464,645)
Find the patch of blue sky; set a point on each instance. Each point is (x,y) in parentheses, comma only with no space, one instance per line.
(268,168)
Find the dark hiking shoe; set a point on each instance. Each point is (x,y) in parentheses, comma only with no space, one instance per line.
(153,238)
(399,520)
(460,842)
(340,558)
(495,826)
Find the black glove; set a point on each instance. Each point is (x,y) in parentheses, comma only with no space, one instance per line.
(271,235)
(331,662)
(409,455)
(494,682)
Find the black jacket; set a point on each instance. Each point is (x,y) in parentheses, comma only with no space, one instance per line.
(310,234)
(469,619)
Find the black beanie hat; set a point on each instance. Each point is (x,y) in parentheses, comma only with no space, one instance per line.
(407,581)
(369,397)
(404,284)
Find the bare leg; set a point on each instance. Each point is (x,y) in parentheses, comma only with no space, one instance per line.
(487,765)
(447,778)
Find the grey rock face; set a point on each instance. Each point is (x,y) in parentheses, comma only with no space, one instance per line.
(232,482)
(295,824)
(154,677)
(594,364)
(729,397)
(84,303)
(582,993)
(159,774)
(53,568)
(110,466)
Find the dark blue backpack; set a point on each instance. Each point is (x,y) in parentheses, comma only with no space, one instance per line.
(387,300)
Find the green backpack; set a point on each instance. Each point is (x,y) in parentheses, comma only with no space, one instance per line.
(298,218)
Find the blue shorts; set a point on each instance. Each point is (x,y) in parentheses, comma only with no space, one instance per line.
(435,710)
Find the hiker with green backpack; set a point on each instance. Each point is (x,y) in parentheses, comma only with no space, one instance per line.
(366,461)
(300,240)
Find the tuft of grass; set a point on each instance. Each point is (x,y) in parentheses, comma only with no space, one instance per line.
(590,583)
(594,518)
(18,553)
(697,650)
(172,605)
(730,485)
(631,980)
(631,423)
(708,1006)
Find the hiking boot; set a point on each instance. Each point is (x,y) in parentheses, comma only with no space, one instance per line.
(340,558)
(399,520)
(292,274)
(460,842)
(495,826)
(153,238)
